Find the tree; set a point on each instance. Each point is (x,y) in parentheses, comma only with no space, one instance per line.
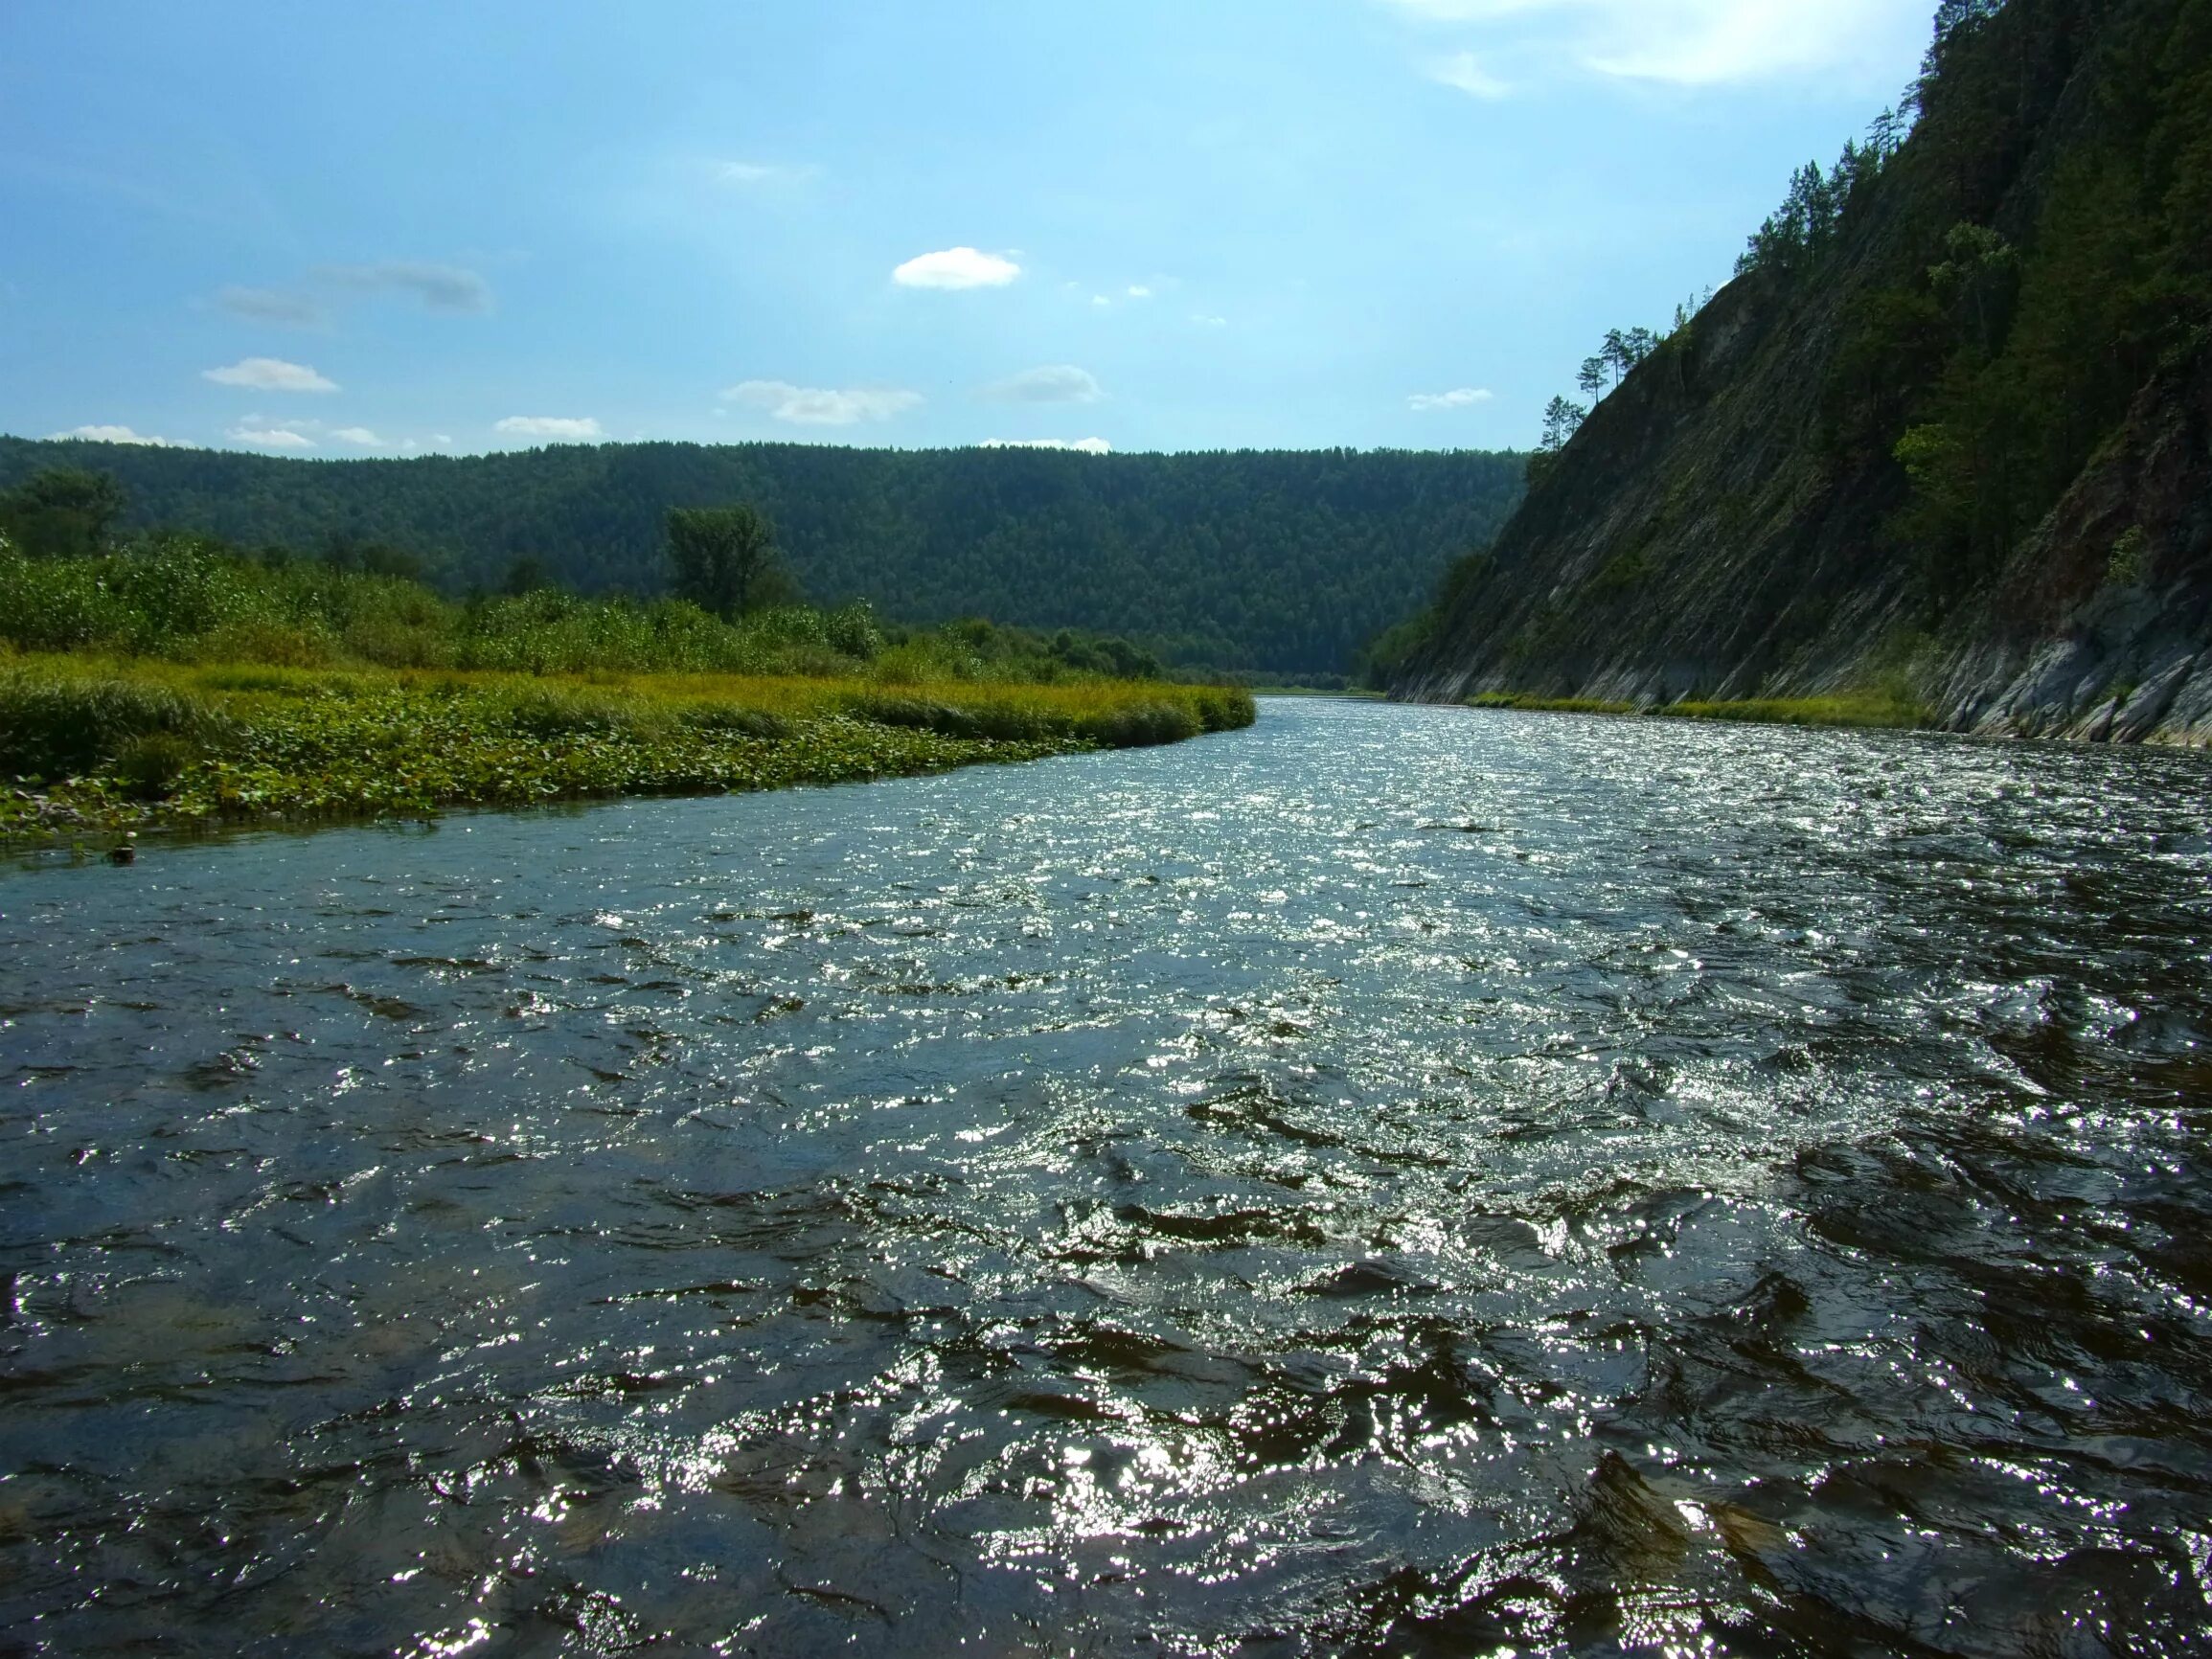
(1614,355)
(722,557)
(526,576)
(1562,420)
(1592,379)
(62,513)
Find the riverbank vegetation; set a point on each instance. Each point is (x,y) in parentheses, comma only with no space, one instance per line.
(173,682)
(1243,564)
(1865,711)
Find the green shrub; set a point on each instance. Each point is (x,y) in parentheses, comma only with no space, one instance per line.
(1140,726)
(55,727)
(734,720)
(150,767)
(568,712)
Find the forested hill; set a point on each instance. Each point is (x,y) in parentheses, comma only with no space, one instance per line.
(1946,435)
(1285,562)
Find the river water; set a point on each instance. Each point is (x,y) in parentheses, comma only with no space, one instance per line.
(1408,1181)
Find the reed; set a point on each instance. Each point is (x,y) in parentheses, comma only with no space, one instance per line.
(103,745)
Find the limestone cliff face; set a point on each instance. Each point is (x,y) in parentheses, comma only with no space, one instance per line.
(1731,523)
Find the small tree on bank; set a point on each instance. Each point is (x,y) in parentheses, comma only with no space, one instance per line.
(722,558)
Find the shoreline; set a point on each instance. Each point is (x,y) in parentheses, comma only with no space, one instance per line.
(197,750)
(1865,712)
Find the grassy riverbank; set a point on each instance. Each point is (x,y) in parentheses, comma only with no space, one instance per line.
(175,683)
(1866,711)
(91,748)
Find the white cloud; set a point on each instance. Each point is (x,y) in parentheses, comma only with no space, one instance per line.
(117,435)
(269,374)
(271,437)
(761,173)
(440,287)
(552,428)
(360,435)
(820,406)
(1465,397)
(1138,291)
(1464,71)
(956,268)
(1078,445)
(1692,42)
(1207,320)
(273,306)
(1053,383)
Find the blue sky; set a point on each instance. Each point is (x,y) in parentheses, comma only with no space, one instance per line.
(1154,224)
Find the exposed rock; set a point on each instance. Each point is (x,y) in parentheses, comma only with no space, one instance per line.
(1707,535)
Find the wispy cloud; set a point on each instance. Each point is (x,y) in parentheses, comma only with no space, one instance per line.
(1686,42)
(360,435)
(98,434)
(288,311)
(270,375)
(446,288)
(821,406)
(1052,383)
(271,437)
(1137,292)
(957,268)
(552,428)
(748,173)
(1434,402)
(1464,71)
(1208,320)
(1080,446)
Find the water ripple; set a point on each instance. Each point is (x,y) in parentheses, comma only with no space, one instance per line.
(1395,1180)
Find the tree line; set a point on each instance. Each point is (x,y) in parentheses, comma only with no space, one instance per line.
(1257,562)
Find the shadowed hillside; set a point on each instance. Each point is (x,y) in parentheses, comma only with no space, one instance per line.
(1943,439)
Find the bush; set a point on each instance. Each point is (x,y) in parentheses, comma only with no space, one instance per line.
(150,767)
(1141,726)
(55,727)
(734,719)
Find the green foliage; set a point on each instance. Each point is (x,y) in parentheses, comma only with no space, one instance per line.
(1390,653)
(1879,711)
(1621,575)
(721,558)
(1228,561)
(149,768)
(175,746)
(1812,215)
(59,726)
(2131,561)
(1621,353)
(2002,340)
(1562,420)
(190,599)
(62,513)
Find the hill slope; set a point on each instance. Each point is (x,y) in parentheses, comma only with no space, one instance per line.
(1947,434)
(1286,562)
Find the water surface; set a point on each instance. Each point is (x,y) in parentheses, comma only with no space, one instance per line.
(1409,1181)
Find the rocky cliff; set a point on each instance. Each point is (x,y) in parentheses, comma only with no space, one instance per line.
(1948,438)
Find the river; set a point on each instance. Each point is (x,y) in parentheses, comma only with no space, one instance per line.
(1395,1180)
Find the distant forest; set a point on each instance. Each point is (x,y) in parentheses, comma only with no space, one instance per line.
(1248,561)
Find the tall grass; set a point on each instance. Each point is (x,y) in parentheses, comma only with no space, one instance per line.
(1884,710)
(55,724)
(178,682)
(179,598)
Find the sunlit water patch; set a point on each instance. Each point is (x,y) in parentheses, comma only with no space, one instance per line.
(1394,1180)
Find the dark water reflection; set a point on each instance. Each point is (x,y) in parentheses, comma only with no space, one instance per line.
(1400,1180)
